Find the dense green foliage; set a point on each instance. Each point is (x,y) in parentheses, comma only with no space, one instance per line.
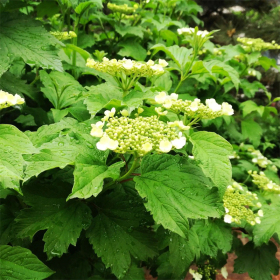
(159,160)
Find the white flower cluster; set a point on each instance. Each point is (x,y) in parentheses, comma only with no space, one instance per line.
(7,99)
(234,155)
(264,183)
(64,35)
(193,109)
(129,67)
(122,9)
(237,202)
(191,31)
(140,135)
(261,160)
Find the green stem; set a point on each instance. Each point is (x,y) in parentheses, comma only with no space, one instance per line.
(132,168)
(75,41)
(179,84)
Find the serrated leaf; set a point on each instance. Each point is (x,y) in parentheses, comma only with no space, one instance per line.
(134,273)
(12,137)
(100,96)
(252,131)
(132,30)
(6,219)
(179,55)
(19,263)
(212,151)
(116,233)
(63,221)
(172,200)
(219,67)
(248,106)
(89,177)
(11,168)
(61,89)
(14,85)
(182,252)
(213,236)
(132,49)
(270,224)
(26,38)
(250,89)
(259,262)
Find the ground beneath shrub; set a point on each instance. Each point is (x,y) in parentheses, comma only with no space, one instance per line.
(229,266)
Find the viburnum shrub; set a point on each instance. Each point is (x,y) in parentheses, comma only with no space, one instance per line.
(129,142)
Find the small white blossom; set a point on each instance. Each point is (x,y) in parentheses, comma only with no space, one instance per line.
(227,109)
(160,98)
(260,213)
(228,218)
(213,105)
(97,130)
(179,143)
(162,62)
(165,146)
(106,143)
(147,147)
(195,274)
(257,220)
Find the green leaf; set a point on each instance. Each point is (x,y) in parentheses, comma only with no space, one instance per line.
(163,82)
(82,52)
(183,252)
(213,236)
(63,221)
(212,151)
(132,49)
(259,262)
(134,273)
(270,224)
(250,89)
(132,30)
(24,37)
(100,96)
(219,67)
(6,220)
(170,37)
(252,131)
(19,263)
(12,84)
(89,176)
(172,200)
(117,235)
(81,5)
(179,55)
(248,106)
(60,88)
(11,168)
(12,137)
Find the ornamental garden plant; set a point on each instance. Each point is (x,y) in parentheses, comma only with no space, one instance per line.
(131,142)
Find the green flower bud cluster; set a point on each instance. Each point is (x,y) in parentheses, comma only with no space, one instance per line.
(140,135)
(64,35)
(251,44)
(264,183)
(237,203)
(194,109)
(129,67)
(123,9)
(207,270)
(7,99)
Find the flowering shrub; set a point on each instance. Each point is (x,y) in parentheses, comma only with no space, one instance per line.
(126,144)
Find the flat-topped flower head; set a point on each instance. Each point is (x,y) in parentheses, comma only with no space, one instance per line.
(257,44)
(238,203)
(264,183)
(191,31)
(193,109)
(128,67)
(7,99)
(137,135)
